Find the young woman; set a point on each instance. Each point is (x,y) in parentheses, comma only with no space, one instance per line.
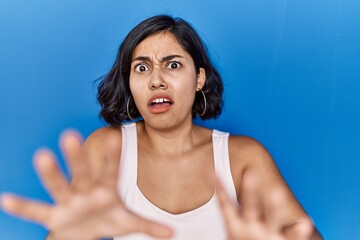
(155,177)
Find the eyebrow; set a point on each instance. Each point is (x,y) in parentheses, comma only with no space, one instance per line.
(164,59)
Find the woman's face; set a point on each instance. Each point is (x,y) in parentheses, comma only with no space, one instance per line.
(163,81)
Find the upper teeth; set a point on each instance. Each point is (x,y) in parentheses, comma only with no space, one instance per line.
(160,100)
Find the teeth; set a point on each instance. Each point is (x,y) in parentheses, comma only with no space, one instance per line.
(160,100)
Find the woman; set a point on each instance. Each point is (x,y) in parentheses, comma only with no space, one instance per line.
(154,178)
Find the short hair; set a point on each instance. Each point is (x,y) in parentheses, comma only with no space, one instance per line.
(114,88)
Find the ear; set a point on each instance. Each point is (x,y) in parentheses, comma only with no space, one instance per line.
(201,78)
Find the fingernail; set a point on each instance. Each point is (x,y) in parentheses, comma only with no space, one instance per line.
(43,158)
(6,201)
(71,136)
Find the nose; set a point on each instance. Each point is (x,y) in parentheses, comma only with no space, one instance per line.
(157,80)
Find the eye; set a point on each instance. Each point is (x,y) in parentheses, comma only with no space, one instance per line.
(174,65)
(141,68)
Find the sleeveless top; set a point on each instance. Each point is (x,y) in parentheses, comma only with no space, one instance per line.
(205,222)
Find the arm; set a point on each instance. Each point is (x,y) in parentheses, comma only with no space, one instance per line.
(101,145)
(89,208)
(266,200)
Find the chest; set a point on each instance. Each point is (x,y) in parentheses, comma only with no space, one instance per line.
(178,183)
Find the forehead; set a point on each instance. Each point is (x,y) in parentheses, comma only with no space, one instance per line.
(159,45)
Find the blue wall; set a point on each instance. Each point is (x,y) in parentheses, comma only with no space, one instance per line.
(291,72)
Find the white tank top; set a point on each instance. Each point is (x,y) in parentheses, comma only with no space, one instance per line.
(205,222)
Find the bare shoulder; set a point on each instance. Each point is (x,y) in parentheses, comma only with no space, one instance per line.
(248,156)
(103,139)
(247,152)
(102,145)
(248,148)
(244,153)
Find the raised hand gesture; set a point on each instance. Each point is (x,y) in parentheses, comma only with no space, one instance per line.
(86,209)
(260,220)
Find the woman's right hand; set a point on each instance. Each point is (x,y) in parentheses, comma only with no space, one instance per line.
(86,209)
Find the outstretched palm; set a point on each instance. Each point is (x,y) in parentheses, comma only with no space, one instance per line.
(85,209)
(256,220)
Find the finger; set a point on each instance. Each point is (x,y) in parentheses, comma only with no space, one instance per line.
(300,231)
(251,205)
(52,178)
(229,210)
(138,224)
(70,143)
(131,223)
(30,210)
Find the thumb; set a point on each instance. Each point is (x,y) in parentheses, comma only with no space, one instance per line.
(149,227)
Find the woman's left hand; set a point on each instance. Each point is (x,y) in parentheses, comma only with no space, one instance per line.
(258,221)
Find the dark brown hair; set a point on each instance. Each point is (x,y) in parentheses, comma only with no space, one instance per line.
(114,89)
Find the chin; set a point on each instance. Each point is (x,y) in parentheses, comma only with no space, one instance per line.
(160,123)
(164,122)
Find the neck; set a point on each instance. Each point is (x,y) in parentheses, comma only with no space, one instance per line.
(173,140)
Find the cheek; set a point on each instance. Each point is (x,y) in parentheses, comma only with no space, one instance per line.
(187,84)
(132,81)
(186,90)
(135,84)
(136,90)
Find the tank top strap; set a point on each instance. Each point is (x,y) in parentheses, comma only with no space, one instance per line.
(128,162)
(222,162)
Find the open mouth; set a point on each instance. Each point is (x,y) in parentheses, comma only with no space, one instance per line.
(160,102)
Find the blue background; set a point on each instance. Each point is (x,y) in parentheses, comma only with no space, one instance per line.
(290,68)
